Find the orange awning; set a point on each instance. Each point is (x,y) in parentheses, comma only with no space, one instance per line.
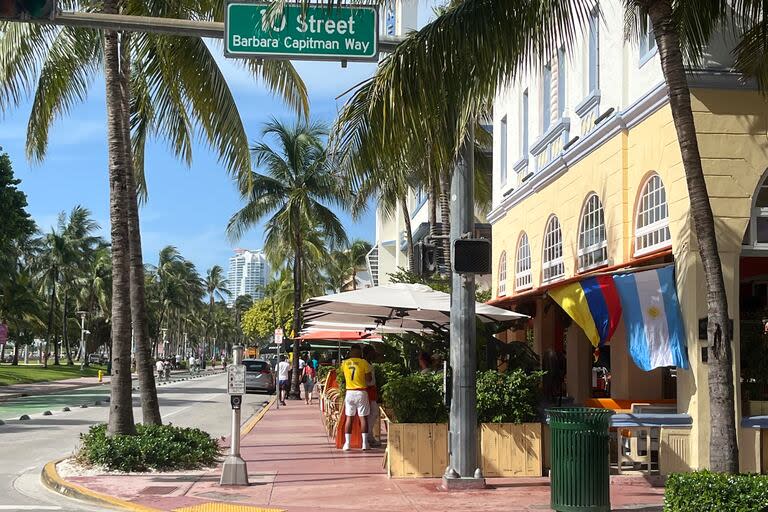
(341,336)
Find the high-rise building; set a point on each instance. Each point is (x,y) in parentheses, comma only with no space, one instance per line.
(248,274)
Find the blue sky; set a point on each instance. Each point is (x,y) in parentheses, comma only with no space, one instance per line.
(188,206)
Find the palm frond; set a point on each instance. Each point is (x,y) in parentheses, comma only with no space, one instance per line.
(73,61)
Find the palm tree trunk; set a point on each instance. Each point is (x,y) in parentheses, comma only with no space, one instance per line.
(120,406)
(15,361)
(65,331)
(150,406)
(724,450)
(445,220)
(408,236)
(51,305)
(297,292)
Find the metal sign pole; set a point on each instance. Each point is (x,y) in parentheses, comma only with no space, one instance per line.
(235,470)
(463,471)
(277,370)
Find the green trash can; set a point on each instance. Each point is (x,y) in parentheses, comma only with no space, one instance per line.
(580,474)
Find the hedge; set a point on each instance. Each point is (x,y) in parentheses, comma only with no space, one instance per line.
(704,491)
(154,447)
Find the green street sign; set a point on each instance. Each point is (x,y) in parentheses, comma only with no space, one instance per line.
(313,33)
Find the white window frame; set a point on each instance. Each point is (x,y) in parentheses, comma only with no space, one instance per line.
(546,98)
(593,53)
(523,275)
(503,150)
(647,47)
(524,122)
(652,217)
(552,262)
(592,228)
(758,212)
(561,83)
(501,289)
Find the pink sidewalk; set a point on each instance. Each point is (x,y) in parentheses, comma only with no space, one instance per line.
(293,467)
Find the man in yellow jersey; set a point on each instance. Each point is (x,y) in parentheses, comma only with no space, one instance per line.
(357,375)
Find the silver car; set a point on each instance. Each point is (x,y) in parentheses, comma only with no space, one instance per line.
(259,376)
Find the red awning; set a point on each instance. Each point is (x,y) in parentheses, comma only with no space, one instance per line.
(341,336)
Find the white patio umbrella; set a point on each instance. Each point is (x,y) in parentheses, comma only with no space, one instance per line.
(401,305)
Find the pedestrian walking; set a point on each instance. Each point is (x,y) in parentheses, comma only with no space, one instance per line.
(178,362)
(191,364)
(159,369)
(357,375)
(283,378)
(308,380)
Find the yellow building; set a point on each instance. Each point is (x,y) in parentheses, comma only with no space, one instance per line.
(602,187)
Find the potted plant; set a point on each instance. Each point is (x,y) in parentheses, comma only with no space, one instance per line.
(510,430)
(417,427)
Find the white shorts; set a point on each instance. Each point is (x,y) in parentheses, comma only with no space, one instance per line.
(356,402)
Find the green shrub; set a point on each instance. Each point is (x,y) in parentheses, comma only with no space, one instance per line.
(386,372)
(703,491)
(507,397)
(154,447)
(416,398)
(322,373)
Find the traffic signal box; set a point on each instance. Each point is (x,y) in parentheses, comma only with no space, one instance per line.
(15,10)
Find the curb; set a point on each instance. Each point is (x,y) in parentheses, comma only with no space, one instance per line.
(246,429)
(11,396)
(53,481)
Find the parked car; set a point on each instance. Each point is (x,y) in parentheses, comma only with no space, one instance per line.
(259,376)
(94,359)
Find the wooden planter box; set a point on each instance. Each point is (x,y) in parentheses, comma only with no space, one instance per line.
(510,450)
(417,450)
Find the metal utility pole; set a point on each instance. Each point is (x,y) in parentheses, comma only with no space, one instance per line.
(463,471)
(235,470)
(82,351)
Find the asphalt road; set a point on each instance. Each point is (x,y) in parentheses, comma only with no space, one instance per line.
(26,446)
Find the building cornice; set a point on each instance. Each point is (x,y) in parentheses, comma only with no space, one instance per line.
(606,130)
(553,133)
(587,103)
(623,121)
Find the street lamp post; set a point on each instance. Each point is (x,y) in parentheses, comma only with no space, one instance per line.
(165,341)
(82,351)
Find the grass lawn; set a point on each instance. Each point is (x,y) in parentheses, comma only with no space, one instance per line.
(27,374)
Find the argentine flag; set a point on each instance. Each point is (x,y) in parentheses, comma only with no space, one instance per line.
(652,317)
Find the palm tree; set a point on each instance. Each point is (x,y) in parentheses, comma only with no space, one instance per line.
(77,232)
(216,287)
(294,192)
(94,290)
(242,304)
(21,307)
(358,252)
(178,88)
(499,39)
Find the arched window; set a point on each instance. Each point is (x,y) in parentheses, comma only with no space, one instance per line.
(502,285)
(593,247)
(523,266)
(652,222)
(757,230)
(552,264)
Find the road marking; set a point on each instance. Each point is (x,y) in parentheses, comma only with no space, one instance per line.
(174,413)
(29,507)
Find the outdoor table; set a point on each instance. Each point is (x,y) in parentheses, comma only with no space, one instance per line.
(636,423)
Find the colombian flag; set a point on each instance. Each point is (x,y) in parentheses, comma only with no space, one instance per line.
(594,305)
